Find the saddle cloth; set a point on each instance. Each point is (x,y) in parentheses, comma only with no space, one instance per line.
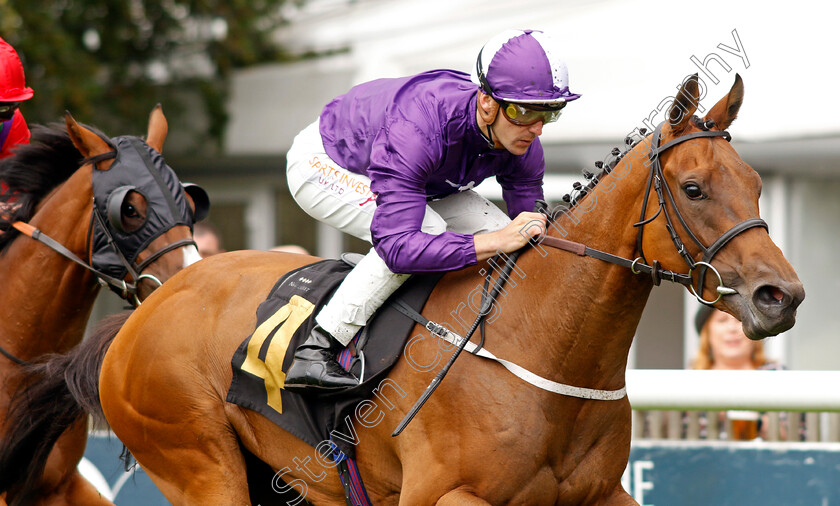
(284,321)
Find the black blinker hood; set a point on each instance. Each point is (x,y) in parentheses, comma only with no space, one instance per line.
(144,170)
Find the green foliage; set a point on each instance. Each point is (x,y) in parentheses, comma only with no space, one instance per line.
(109,62)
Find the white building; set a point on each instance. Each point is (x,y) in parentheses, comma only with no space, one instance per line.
(627,59)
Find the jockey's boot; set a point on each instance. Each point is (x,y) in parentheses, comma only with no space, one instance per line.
(315,368)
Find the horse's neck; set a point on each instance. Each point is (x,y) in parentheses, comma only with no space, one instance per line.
(46,299)
(583,312)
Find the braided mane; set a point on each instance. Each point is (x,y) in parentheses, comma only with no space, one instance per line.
(605,166)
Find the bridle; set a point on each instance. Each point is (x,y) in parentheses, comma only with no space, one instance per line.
(125,290)
(656,180)
(112,258)
(115,254)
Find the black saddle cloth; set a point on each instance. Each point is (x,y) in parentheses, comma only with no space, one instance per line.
(284,321)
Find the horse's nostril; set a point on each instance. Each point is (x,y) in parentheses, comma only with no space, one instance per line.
(770,295)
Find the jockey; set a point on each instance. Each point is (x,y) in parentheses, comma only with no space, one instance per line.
(394,161)
(13,128)
(13,91)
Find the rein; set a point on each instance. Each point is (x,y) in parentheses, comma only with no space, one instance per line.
(487,301)
(488,298)
(656,272)
(36,234)
(125,289)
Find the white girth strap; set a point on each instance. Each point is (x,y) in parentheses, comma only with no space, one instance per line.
(539,381)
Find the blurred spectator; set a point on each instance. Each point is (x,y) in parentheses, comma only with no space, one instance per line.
(291,248)
(723,345)
(207,239)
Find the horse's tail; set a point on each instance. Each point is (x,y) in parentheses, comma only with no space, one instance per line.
(55,392)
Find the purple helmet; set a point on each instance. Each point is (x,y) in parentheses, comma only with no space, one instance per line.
(521,66)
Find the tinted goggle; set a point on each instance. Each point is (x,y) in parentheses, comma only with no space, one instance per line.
(528,114)
(7,108)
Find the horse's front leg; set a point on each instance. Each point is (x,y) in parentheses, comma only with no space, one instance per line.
(461,497)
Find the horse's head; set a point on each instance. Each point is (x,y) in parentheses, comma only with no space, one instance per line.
(142,214)
(713,210)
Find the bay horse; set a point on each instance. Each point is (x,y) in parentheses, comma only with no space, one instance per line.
(83,197)
(485,436)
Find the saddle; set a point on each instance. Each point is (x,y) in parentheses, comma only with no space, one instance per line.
(284,321)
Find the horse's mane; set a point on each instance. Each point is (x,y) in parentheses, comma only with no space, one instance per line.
(605,166)
(34,171)
(602,168)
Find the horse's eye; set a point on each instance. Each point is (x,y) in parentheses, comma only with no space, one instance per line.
(129,211)
(693,191)
(132,212)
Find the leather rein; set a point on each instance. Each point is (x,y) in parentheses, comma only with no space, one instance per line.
(127,291)
(656,181)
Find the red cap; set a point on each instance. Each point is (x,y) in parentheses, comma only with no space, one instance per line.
(12,82)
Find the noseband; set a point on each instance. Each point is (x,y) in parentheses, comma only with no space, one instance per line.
(656,180)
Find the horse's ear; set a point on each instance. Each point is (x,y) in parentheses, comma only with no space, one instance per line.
(684,105)
(158,127)
(88,143)
(726,110)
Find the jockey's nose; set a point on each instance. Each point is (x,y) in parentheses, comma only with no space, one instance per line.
(536,128)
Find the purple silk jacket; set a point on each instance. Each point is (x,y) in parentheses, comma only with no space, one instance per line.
(416,138)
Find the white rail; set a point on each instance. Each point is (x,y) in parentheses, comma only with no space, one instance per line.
(663,389)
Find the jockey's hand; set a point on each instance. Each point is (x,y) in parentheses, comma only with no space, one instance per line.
(514,236)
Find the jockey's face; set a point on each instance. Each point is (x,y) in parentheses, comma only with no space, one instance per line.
(506,135)
(515,138)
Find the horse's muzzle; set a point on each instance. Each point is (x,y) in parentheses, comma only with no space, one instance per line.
(771,308)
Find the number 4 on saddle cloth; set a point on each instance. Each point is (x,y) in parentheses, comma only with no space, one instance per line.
(284,321)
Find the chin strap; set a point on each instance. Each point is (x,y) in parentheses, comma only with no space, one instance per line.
(489,137)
